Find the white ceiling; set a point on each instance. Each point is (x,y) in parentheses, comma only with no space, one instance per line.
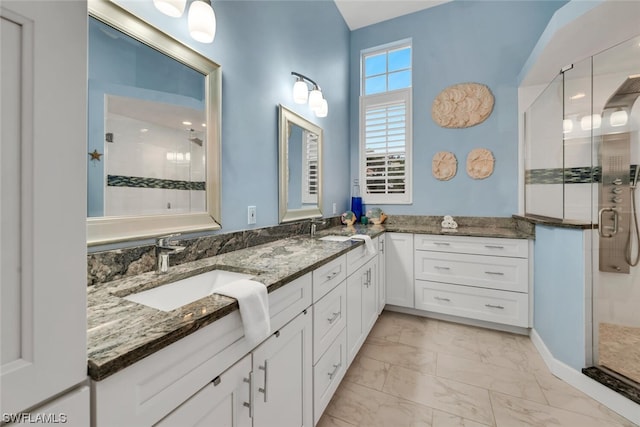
(360,13)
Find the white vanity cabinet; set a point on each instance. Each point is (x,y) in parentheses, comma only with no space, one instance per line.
(224,401)
(399,269)
(382,271)
(474,277)
(362,305)
(282,377)
(150,389)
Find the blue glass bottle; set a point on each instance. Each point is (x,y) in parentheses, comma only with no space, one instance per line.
(356,200)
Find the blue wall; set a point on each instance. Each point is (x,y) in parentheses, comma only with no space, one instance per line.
(559,293)
(258,44)
(461,41)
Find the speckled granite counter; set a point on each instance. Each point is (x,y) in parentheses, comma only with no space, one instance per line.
(121,332)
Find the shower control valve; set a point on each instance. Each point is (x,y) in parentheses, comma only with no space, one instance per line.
(617,181)
(616,190)
(616,200)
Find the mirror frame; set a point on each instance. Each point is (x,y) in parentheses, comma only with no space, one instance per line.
(102,230)
(286,116)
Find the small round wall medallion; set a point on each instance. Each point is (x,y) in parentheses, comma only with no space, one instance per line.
(462,105)
(480,163)
(444,165)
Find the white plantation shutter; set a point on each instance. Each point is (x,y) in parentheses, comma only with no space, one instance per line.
(385,147)
(310,168)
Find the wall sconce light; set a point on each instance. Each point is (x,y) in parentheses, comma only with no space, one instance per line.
(201,19)
(302,95)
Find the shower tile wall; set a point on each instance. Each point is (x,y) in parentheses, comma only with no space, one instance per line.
(152,169)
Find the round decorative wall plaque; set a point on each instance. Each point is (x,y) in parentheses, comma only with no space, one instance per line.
(480,163)
(444,165)
(462,105)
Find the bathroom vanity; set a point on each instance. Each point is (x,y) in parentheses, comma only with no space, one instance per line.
(180,367)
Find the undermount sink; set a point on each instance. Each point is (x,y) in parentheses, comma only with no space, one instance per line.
(335,238)
(181,292)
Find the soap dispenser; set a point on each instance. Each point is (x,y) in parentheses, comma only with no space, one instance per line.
(356,200)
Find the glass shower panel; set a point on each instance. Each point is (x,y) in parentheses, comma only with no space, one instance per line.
(577,126)
(544,153)
(616,291)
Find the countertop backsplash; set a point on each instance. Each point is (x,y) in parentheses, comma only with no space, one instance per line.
(118,263)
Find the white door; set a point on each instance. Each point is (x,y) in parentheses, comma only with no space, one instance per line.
(355,283)
(399,269)
(370,297)
(225,402)
(282,376)
(42,200)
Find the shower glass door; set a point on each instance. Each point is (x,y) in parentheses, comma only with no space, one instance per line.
(613,120)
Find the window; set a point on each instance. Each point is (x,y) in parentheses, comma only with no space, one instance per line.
(310,168)
(385,124)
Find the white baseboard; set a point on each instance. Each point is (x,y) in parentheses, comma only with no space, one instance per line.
(614,401)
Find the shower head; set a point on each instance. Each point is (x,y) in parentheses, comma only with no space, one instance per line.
(626,94)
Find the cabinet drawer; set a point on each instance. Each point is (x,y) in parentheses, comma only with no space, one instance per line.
(473,245)
(328,373)
(511,308)
(357,257)
(289,301)
(329,318)
(509,274)
(328,276)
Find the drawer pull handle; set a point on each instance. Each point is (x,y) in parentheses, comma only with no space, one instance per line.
(442,244)
(494,306)
(264,389)
(335,371)
(442,299)
(249,404)
(332,275)
(334,317)
(439,267)
(495,273)
(494,247)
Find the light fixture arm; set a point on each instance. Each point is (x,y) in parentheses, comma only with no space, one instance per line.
(302,77)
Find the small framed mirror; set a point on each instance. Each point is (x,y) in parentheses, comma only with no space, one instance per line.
(154,131)
(300,164)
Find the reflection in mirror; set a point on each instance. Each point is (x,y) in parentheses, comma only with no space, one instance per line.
(153,143)
(300,167)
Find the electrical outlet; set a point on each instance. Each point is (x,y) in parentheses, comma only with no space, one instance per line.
(251,215)
(335,209)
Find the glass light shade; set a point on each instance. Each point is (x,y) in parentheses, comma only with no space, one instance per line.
(202,22)
(618,118)
(591,122)
(173,8)
(300,92)
(315,99)
(323,110)
(567,125)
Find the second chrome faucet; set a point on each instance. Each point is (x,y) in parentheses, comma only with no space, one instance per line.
(164,248)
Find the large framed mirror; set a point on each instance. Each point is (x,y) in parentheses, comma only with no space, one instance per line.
(154,131)
(300,164)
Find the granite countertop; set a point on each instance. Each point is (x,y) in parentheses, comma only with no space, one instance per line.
(122,332)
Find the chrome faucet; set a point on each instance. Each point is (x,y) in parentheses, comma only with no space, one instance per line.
(314,224)
(164,248)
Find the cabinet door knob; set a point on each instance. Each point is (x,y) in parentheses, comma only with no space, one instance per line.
(334,317)
(335,370)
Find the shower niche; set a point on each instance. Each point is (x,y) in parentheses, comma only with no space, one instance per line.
(582,150)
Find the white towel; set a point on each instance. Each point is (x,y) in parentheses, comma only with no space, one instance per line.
(253,300)
(367,241)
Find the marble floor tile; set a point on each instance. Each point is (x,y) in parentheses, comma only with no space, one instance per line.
(514,412)
(414,358)
(509,381)
(561,395)
(328,421)
(450,396)
(362,406)
(368,372)
(444,419)
(443,340)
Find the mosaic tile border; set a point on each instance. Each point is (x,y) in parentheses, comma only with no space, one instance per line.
(579,175)
(615,384)
(142,182)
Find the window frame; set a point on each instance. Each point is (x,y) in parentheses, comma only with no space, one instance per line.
(382,99)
